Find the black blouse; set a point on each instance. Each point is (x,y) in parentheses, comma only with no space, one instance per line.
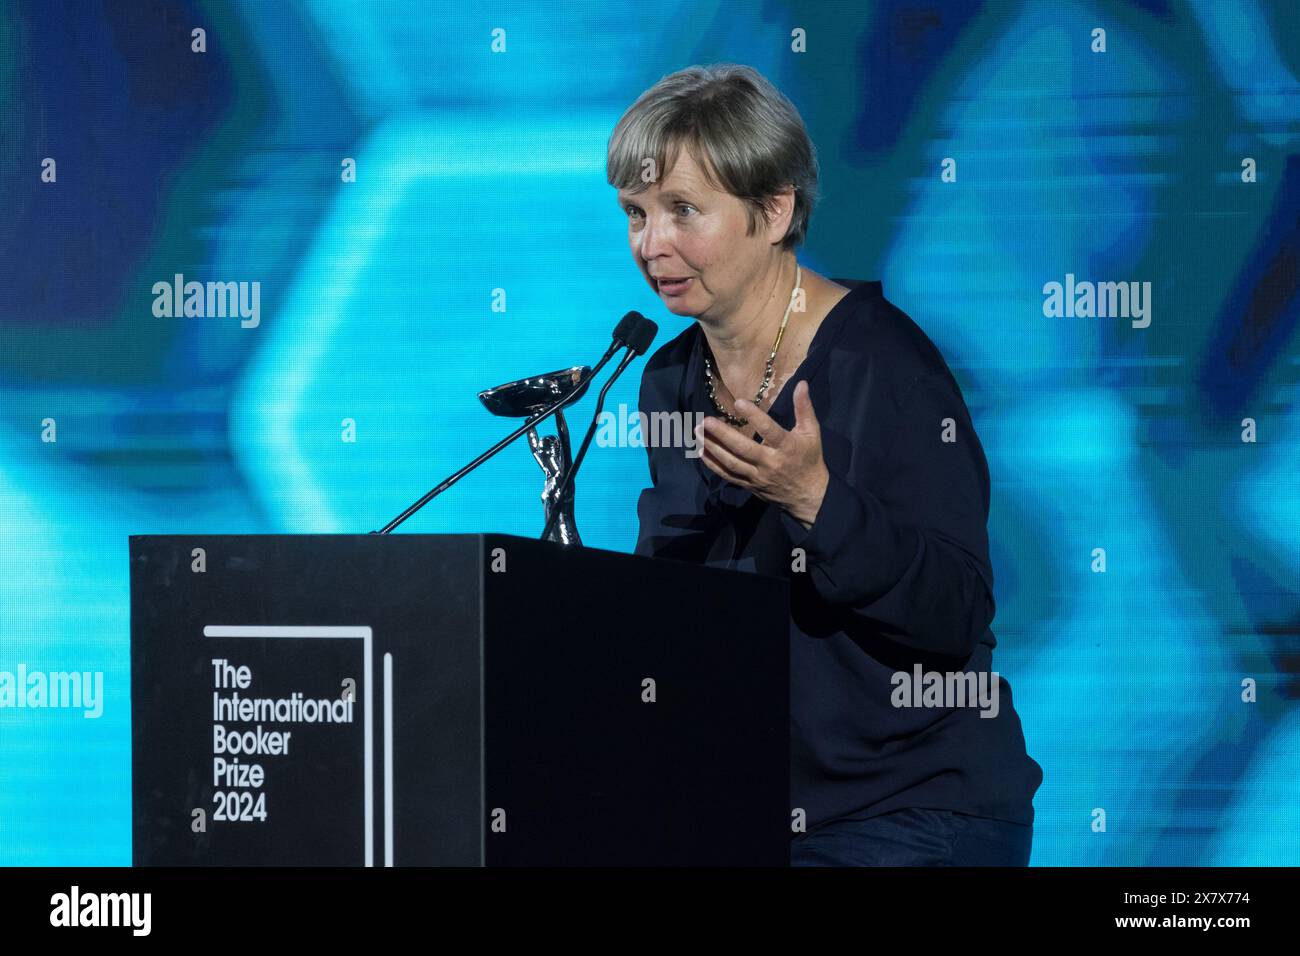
(891,587)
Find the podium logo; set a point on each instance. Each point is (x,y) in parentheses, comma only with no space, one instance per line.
(179,299)
(102,909)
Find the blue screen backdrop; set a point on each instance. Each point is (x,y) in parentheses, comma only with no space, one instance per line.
(971,154)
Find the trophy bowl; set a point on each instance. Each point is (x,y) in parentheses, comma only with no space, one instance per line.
(527,396)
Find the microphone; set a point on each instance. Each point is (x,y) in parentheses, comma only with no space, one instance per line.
(625,334)
(639,338)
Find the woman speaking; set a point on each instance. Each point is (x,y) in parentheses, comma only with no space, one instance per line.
(837,452)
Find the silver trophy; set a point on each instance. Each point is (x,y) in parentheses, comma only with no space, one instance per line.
(525,398)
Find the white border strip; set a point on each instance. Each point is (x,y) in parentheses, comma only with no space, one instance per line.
(388,760)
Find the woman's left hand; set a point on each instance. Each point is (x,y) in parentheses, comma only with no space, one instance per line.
(786,469)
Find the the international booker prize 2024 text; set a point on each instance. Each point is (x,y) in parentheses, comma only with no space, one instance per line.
(240,796)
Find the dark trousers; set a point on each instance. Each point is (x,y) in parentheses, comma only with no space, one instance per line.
(914,837)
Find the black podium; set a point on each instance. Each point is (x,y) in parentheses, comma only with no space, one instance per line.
(453,700)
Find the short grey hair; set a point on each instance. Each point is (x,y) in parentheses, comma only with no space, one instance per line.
(746,135)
